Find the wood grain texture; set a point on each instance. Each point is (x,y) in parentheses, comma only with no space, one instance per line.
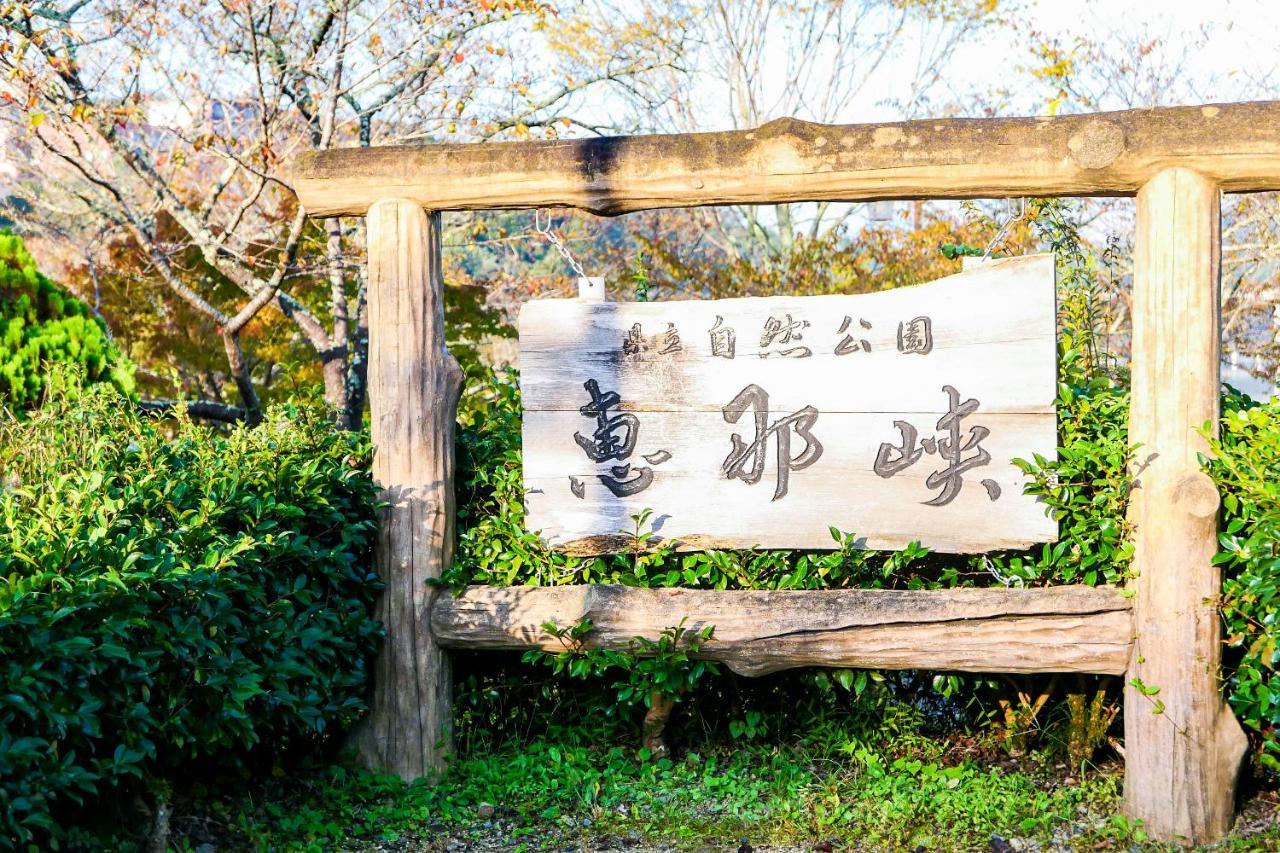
(992,340)
(414,385)
(1056,629)
(1183,746)
(790,160)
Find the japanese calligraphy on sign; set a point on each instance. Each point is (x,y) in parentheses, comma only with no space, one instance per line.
(764,422)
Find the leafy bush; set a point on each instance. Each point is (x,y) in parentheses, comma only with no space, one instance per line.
(170,596)
(1086,487)
(1246,464)
(669,666)
(42,325)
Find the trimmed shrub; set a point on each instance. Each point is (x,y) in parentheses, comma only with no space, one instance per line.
(171,596)
(1246,465)
(42,326)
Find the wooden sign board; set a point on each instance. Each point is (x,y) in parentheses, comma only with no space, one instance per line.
(764,422)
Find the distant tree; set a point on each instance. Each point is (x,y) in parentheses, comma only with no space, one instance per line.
(881,256)
(761,60)
(167,128)
(1130,64)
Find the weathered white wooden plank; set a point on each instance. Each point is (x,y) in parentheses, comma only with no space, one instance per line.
(699,509)
(992,332)
(774,450)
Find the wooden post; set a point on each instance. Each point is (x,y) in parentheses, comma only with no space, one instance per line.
(1183,746)
(414,384)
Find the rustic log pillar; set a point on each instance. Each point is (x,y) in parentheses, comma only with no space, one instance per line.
(414,384)
(1183,746)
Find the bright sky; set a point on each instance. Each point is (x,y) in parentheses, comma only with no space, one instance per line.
(1222,43)
(1225,48)
(1228,41)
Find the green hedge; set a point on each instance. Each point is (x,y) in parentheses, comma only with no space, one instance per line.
(171,596)
(1246,464)
(41,326)
(1086,487)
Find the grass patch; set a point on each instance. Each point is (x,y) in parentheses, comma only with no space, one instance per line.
(886,771)
(541,794)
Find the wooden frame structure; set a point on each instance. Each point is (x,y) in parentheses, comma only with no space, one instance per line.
(1183,746)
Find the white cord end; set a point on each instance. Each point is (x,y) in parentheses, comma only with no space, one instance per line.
(591,288)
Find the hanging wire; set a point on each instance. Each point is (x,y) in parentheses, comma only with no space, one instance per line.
(554,240)
(1003,233)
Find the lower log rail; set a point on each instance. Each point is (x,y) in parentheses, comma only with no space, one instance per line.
(1051,629)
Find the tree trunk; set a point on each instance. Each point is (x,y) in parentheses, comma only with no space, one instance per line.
(333,367)
(414,388)
(655,724)
(358,348)
(240,375)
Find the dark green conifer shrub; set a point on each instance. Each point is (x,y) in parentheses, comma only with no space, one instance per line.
(42,326)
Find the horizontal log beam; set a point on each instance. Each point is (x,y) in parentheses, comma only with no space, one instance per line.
(1053,629)
(1235,145)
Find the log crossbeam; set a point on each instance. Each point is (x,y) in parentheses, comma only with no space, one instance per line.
(789,160)
(1054,629)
